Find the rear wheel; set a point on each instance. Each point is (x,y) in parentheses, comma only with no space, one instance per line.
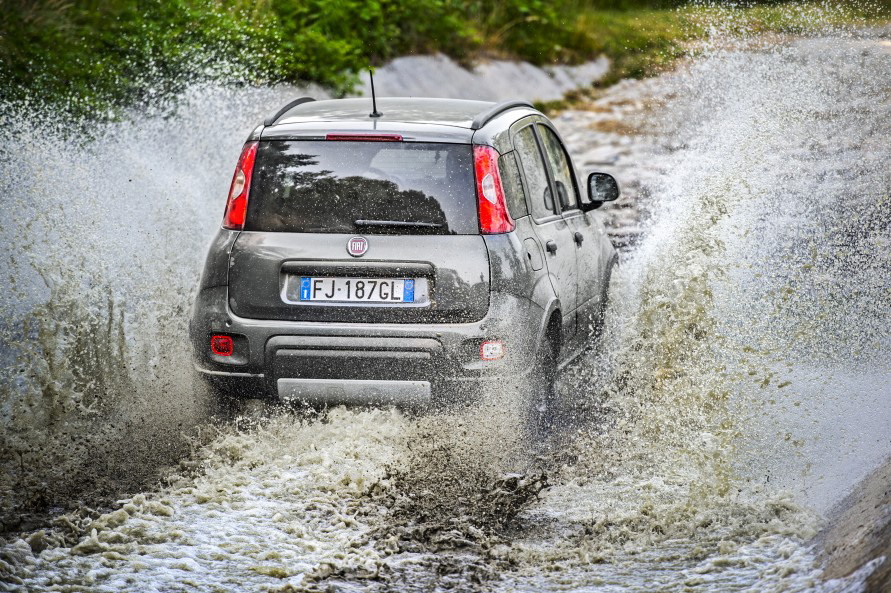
(228,405)
(223,404)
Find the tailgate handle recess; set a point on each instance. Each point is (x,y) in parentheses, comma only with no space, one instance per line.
(367,268)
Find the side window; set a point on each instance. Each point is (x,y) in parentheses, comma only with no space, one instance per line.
(560,167)
(537,187)
(513,187)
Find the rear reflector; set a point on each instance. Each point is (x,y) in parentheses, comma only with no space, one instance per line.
(236,205)
(365,137)
(221,345)
(491,350)
(494,217)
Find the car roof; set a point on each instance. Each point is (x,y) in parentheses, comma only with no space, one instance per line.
(413,119)
(448,112)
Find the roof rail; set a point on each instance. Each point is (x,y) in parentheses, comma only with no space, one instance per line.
(496,109)
(271,119)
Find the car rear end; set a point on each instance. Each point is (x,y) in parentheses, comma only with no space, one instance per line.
(353,267)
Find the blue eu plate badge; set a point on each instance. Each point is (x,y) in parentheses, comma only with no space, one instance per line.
(304,288)
(408,293)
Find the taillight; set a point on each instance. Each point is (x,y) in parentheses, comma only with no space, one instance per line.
(236,205)
(494,217)
(221,345)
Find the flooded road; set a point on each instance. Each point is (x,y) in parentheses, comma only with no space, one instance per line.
(741,388)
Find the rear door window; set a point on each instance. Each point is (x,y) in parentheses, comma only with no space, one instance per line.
(363,187)
(513,186)
(561,169)
(541,202)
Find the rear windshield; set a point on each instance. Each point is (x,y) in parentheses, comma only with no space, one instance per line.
(363,187)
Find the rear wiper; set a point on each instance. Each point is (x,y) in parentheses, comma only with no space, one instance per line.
(397,223)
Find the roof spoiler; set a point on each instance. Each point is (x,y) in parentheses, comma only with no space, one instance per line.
(271,119)
(495,110)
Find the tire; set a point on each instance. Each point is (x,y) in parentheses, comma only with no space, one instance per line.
(228,406)
(600,320)
(220,402)
(542,398)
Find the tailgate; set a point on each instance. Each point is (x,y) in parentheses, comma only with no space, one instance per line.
(451,273)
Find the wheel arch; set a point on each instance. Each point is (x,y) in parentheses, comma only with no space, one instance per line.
(551,327)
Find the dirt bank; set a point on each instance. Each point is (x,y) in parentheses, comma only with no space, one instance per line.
(859,530)
(488,80)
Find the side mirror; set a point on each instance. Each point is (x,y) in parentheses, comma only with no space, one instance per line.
(602,187)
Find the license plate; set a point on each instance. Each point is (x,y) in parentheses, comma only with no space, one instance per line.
(355,290)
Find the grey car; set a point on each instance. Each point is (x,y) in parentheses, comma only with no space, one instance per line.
(420,253)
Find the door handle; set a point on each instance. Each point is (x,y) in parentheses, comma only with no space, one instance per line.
(578,238)
(551,246)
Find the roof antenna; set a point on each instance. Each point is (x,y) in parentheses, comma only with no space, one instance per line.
(374,111)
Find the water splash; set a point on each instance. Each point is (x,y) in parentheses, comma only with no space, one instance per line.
(686,464)
(762,280)
(101,258)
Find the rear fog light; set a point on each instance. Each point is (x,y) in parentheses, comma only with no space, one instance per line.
(491,350)
(221,345)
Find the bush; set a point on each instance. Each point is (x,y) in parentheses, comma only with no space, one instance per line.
(89,57)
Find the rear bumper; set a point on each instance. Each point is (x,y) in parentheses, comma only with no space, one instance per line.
(363,362)
(355,391)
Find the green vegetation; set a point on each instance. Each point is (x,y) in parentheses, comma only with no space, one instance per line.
(91,56)
(640,42)
(644,41)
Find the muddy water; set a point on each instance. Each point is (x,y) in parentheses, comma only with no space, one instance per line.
(741,387)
